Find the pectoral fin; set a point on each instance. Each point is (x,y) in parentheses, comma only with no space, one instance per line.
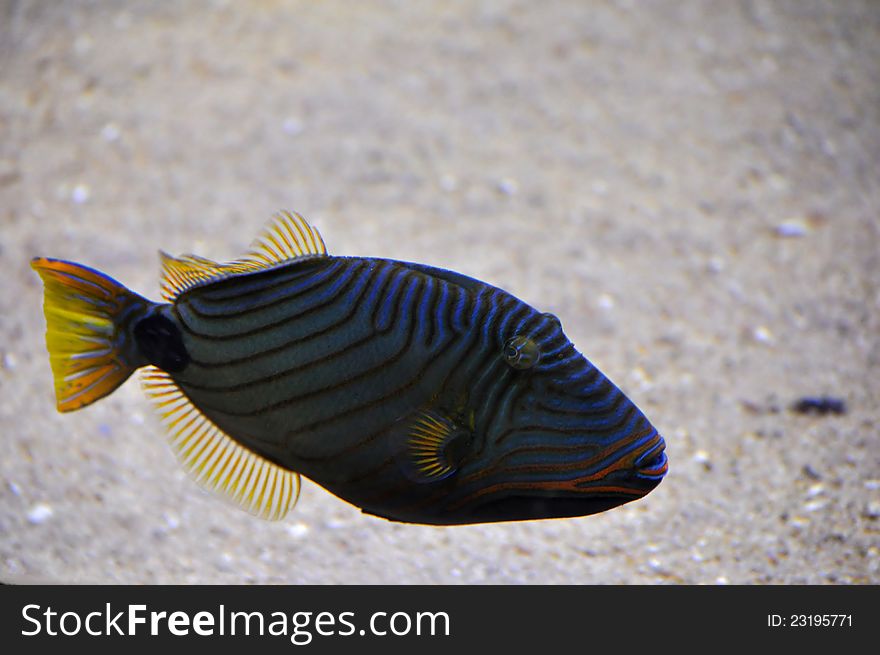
(434,446)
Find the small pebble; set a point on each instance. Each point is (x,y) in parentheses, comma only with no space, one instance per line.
(814,505)
(292,126)
(80,194)
(605,301)
(110,132)
(702,457)
(39,513)
(791,229)
(298,530)
(815,490)
(14,488)
(872,485)
(507,186)
(8,361)
(225,562)
(799,521)
(762,334)
(819,405)
(810,472)
(767,407)
(872,510)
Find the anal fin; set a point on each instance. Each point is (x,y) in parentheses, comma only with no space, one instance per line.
(214,459)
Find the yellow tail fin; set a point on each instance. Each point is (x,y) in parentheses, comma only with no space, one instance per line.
(82,307)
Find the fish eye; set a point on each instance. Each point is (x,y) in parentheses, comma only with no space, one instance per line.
(521,352)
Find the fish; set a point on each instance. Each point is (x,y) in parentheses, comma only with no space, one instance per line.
(417,394)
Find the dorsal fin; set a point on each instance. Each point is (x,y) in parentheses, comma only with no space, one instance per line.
(286,238)
(184,272)
(214,459)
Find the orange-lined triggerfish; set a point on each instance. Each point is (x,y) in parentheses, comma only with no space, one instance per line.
(415,393)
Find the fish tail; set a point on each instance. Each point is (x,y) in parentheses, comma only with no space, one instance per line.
(85,311)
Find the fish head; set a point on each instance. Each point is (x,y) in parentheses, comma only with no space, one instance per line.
(551,437)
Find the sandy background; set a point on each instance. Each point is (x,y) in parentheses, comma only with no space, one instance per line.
(694,188)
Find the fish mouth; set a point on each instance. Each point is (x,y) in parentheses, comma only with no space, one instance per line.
(653,464)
